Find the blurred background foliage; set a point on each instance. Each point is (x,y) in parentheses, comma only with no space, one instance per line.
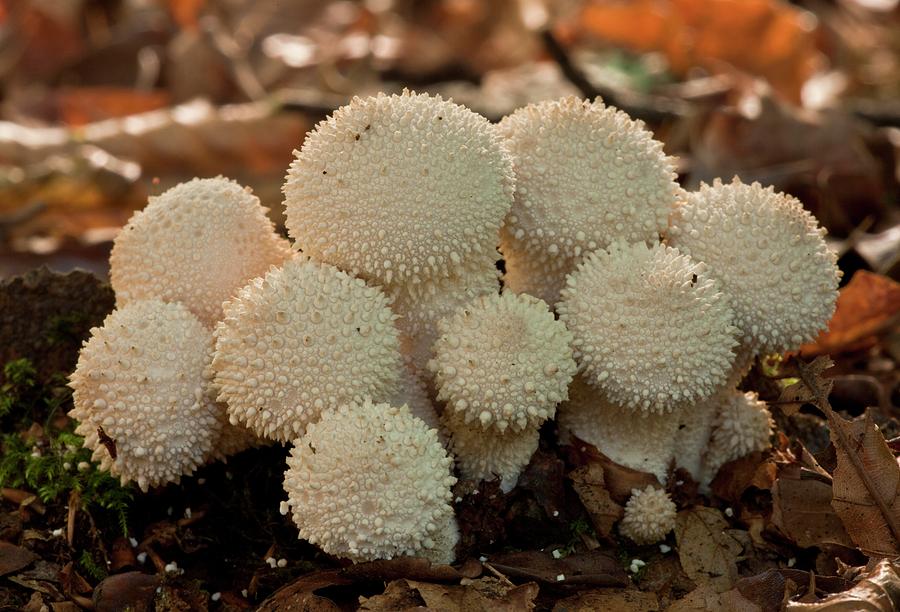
(104,102)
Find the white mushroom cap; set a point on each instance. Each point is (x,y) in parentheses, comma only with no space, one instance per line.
(197,243)
(445,540)
(770,256)
(639,440)
(742,425)
(399,188)
(503,361)
(301,340)
(420,306)
(370,481)
(412,393)
(586,175)
(486,455)
(652,330)
(140,378)
(649,516)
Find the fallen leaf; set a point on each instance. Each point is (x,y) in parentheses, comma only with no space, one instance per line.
(801,510)
(544,477)
(482,594)
(714,34)
(300,594)
(754,470)
(706,550)
(589,484)
(620,600)
(867,306)
(595,568)
(866,485)
(414,568)
(13,558)
(131,590)
(618,479)
(795,395)
(82,105)
(706,598)
(877,591)
(766,590)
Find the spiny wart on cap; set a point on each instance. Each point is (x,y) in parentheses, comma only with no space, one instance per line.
(586,175)
(301,340)
(649,516)
(197,243)
(770,256)
(652,330)
(503,361)
(399,188)
(742,425)
(639,440)
(370,481)
(140,377)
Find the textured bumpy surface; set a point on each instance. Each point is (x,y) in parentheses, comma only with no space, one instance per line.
(503,361)
(742,425)
(770,256)
(140,378)
(413,393)
(399,188)
(649,516)
(652,330)
(586,174)
(370,481)
(638,440)
(197,243)
(485,455)
(304,338)
(537,274)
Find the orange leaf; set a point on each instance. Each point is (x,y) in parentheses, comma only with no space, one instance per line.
(867,306)
(713,34)
(83,105)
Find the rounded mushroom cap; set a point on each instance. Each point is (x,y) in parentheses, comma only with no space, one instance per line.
(301,340)
(643,441)
(742,425)
(586,175)
(649,516)
(399,188)
(445,540)
(652,330)
(485,455)
(503,361)
(770,256)
(370,481)
(140,377)
(197,243)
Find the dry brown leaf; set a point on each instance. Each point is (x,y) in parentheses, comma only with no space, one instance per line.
(869,305)
(715,34)
(301,593)
(621,600)
(877,591)
(618,479)
(590,486)
(481,594)
(13,558)
(595,568)
(706,550)
(801,509)
(866,485)
(795,395)
(705,598)
(757,469)
(82,105)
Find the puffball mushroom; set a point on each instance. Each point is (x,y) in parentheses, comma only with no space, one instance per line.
(503,361)
(303,339)
(586,175)
(770,256)
(652,330)
(486,455)
(370,481)
(640,440)
(537,274)
(197,243)
(140,379)
(649,515)
(742,425)
(399,189)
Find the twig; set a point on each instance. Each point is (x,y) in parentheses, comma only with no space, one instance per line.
(74,505)
(640,106)
(809,375)
(497,573)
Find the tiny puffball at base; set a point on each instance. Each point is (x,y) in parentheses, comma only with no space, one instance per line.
(770,256)
(742,425)
(586,175)
(652,330)
(370,481)
(487,455)
(649,515)
(503,361)
(197,243)
(399,188)
(301,340)
(140,377)
(639,440)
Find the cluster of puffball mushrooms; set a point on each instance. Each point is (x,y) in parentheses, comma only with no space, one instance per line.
(380,345)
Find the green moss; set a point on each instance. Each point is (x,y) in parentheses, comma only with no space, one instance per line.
(91,567)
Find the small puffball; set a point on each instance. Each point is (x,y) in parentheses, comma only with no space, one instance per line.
(649,516)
